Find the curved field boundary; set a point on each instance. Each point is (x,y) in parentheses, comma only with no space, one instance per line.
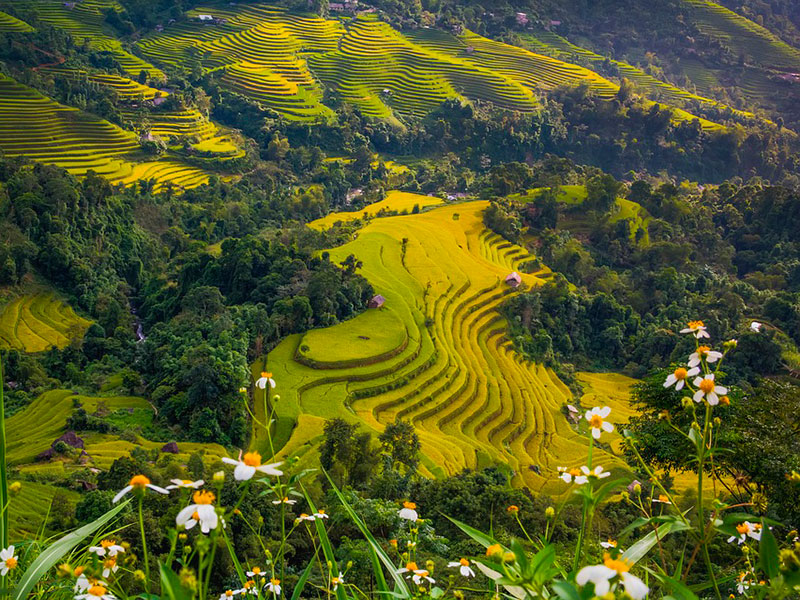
(394,201)
(10,24)
(37,322)
(471,398)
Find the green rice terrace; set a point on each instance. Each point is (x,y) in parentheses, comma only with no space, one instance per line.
(436,354)
(36,322)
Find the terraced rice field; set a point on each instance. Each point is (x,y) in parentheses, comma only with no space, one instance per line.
(11,24)
(37,322)
(34,429)
(85,21)
(394,201)
(259,52)
(472,399)
(554,45)
(29,508)
(126,89)
(743,36)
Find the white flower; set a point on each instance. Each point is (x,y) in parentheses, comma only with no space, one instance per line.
(755,326)
(572,476)
(96,591)
(602,575)
(598,472)
(697,328)
(596,420)
(9,561)
(409,511)
(678,377)
(229,594)
(305,517)
(708,390)
(109,566)
(662,499)
(274,586)
(249,588)
(463,567)
(745,530)
(417,574)
(256,572)
(335,581)
(139,482)
(264,380)
(285,500)
(201,512)
(247,466)
(609,544)
(185,484)
(742,583)
(109,547)
(321,514)
(702,352)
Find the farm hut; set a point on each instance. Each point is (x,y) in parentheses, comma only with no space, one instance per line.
(377,301)
(207,18)
(513,279)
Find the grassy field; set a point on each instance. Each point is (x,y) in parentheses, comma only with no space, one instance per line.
(36,322)
(28,510)
(11,24)
(472,399)
(395,201)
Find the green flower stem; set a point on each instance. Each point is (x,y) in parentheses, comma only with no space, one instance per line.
(701,455)
(144,546)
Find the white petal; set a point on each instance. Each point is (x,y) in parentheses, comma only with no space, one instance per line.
(720,390)
(594,573)
(680,385)
(270,469)
(566,477)
(155,488)
(713,399)
(185,514)
(694,361)
(243,472)
(588,415)
(634,586)
(605,411)
(581,479)
(698,396)
(121,493)
(607,427)
(693,372)
(697,381)
(702,334)
(596,433)
(670,380)
(585,470)
(230,461)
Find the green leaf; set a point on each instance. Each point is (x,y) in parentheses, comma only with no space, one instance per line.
(377,555)
(171,587)
(476,535)
(53,553)
(566,590)
(640,549)
(301,583)
(236,564)
(678,589)
(327,547)
(768,553)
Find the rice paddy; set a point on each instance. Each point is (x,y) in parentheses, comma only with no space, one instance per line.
(472,399)
(11,24)
(394,202)
(37,322)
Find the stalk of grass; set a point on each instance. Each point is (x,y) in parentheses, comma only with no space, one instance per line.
(3,468)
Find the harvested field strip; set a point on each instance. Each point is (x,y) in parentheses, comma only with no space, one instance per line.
(472,400)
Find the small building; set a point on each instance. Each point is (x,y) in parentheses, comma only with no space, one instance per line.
(377,302)
(69,5)
(555,23)
(513,279)
(159,28)
(522,18)
(206,18)
(336,6)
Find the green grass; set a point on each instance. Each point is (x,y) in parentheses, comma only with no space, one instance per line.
(394,201)
(37,322)
(471,398)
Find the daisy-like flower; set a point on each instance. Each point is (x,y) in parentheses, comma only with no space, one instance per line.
(249,588)
(96,592)
(597,422)
(703,352)
(265,380)
(708,390)
(755,326)
(138,482)
(8,561)
(417,575)
(513,509)
(336,581)
(598,472)
(107,546)
(612,569)
(697,329)
(745,530)
(202,512)
(742,582)
(227,594)
(110,566)
(662,499)
(256,572)
(463,567)
(274,586)
(249,464)
(609,544)
(305,517)
(409,511)
(285,500)
(679,376)
(185,484)
(321,514)
(572,475)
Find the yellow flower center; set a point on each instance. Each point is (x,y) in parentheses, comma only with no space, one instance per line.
(203,497)
(252,459)
(321,511)
(422,573)
(393,543)
(612,543)
(596,422)
(79,571)
(256,570)
(680,373)
(335,581)
(412,566)
(662,498)
(707,386)
(703,350)
(695,325)
(620,565)
(494,549)
(464,562)
(248,584)
(97,590)
(11,563)
(724,400)
(110,563)
(274,581)
(409,505)
(743,528)
(107,543)
(513,509)
(139,481)
(266,374)
(228,593)
(574,472)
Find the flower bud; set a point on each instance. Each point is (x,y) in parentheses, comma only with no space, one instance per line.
(242,390)
(717,421)
(635,487)
(686,402)
(429,564)
(64,571)
(187,549)
(495,551)
(730,344)
(15,487)
(393,543)
(513,509)
(458,594)
(724,401)
(794,476)
(139,575)
(349,565)
(664,415)
(549,512)
(275,398)
(219,477)
(745,550)
(509,557)
(188,579)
